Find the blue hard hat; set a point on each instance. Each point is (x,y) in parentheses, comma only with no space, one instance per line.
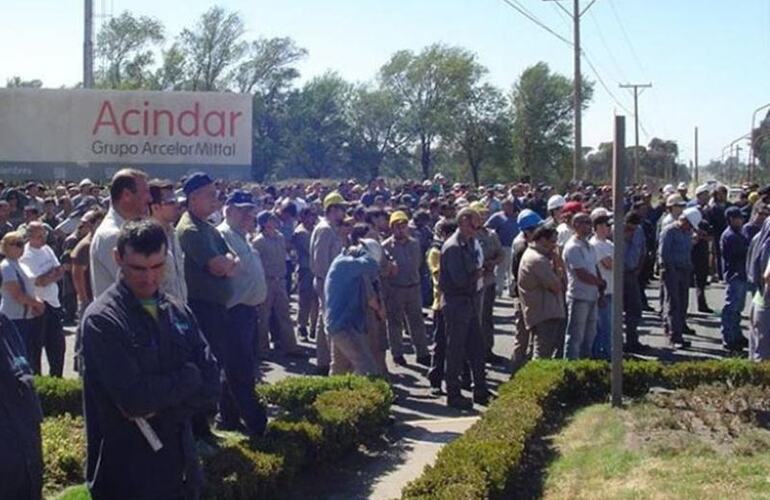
(528,219)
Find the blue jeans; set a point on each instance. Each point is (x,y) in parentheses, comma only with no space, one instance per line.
(581,328)
(601,348)
(735,300)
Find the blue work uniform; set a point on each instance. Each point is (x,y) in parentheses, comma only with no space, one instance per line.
(151,362)
(21,462)
(735,248)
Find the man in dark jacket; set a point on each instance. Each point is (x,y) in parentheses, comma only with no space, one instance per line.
(21,462)
(147,370)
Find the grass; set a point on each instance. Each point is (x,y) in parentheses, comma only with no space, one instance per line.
(647,452)
(79,492)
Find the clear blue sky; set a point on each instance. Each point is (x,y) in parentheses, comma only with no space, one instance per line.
(709,60)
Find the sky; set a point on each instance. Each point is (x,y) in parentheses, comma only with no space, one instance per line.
(708,60)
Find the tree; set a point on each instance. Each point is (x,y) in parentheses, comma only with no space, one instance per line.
(484,126)
(431,85)
(318,135)
(542,121)
(376,121)
(212,47)
(16,82)
(171,74)
(268,66)
(126,44)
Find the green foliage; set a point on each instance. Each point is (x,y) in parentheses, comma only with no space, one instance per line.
(64,451)
(320,418)
(542,122)
(59,396)
(484,462)
(79,492)
(126,44)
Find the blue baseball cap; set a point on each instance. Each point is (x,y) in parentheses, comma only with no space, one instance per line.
(196,181)
(241,199)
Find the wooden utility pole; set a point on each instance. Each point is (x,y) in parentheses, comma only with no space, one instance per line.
(696,156)
(577,156)
(88,45)
(618,188)
(577,94)
(636,87)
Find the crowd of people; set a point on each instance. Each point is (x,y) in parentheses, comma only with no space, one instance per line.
(179,288)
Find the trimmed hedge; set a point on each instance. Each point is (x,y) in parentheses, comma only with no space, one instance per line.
(64,451)
(321,418)
(483,462)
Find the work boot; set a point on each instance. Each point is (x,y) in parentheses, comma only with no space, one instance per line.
(302,331)
(481,397)
(323,371)
(424,360)
(399,360)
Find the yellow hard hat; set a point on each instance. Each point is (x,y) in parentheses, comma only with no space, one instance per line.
(398,216)
(479,207)
(753,197)
(333,198)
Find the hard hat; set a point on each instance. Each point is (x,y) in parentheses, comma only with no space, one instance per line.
(753,197)
(675,200)
(479,207)
(556,201)
(681,187)
(703,188)
(373,248)
(693,216)
(333,198)
(528,219)
(599,212)
(398,216)
(668,190)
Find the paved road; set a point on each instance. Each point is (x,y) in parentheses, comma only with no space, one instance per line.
(423,423)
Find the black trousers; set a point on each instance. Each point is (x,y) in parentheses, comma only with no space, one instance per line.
(464,341)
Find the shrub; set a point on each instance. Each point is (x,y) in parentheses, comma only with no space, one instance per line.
(59,396)
(484,462)
(322,418)
(64,451)
(79,492)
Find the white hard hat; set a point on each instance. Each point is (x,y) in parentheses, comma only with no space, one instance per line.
(668,189)
(681,186)
(599,212)
(693,216)
(373,248)
(556,201)
(703,188)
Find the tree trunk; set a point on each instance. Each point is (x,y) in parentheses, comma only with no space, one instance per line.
(425,158)
(475,171)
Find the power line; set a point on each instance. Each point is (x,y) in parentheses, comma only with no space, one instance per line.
(626,37)
(607,47)
(515,5)
(603,84)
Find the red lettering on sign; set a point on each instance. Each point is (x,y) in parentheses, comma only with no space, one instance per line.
(124,121)
(110,121)
(195,115)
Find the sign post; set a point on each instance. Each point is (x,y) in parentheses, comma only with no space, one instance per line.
(618,186)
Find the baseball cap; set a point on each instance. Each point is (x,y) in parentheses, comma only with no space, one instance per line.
(240,199)
(196,181)
(693,216)
(373,248)
(572,207)
(733,212)
(264,216)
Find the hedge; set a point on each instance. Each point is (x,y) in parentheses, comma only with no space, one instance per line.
(484,462)
(320,419)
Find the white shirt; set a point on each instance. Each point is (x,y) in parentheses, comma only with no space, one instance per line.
(563,234)
(37,262)
(104,269)
(603,248)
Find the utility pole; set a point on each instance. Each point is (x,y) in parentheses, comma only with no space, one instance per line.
(696,156)
(736,164)
(636,87)
(88,46)
(618,187)
(577,95)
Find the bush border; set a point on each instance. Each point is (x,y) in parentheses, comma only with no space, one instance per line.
(484,462)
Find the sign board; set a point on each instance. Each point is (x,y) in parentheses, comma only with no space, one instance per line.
(124,127)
